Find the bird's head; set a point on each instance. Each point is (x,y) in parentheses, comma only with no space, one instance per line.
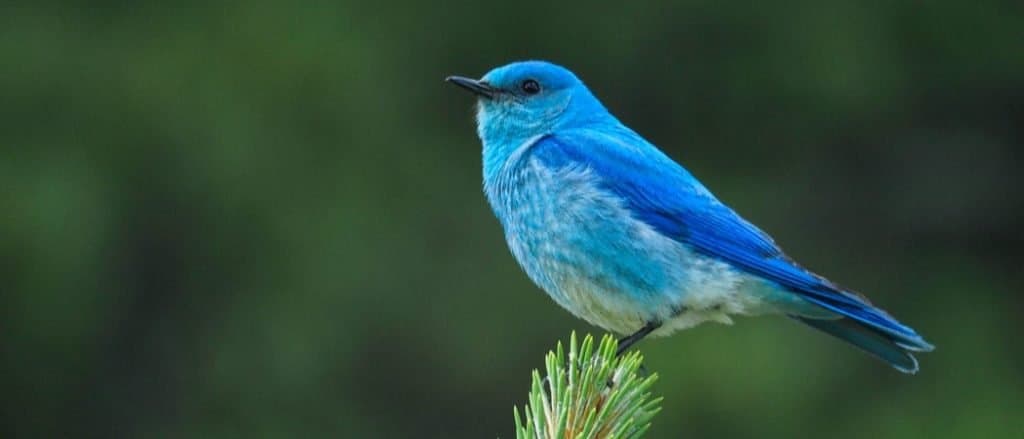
(525,99)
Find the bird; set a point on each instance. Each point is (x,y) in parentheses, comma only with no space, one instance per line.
(625,238)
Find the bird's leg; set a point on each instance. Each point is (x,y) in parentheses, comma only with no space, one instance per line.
(626,342)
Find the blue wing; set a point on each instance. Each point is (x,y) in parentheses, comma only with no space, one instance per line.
(661,193)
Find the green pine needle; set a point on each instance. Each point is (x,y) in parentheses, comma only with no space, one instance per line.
(592,394)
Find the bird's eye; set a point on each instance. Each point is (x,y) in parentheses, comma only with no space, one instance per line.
(530,87)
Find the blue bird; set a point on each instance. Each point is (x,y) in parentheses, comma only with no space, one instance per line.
(625,238)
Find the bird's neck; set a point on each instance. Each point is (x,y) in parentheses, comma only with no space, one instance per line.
(497,153)
(506,136)
(503,134)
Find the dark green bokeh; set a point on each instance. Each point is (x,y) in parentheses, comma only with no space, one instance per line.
(228,220)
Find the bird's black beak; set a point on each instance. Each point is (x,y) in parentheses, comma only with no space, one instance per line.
(479,88)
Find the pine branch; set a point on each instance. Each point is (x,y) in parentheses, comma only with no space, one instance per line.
(593,394)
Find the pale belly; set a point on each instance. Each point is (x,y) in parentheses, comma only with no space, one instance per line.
(583,248)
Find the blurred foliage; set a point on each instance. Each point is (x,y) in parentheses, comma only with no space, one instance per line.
(229,219)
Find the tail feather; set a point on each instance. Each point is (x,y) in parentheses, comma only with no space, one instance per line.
(865,326)
(867,315)
(889,348)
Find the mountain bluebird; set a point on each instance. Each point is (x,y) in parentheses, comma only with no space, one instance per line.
(628,240)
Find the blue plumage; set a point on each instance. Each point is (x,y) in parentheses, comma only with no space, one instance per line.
(624,237)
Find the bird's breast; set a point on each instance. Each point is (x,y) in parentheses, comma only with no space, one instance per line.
(581,245)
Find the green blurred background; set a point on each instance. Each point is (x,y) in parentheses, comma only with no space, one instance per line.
(224,219)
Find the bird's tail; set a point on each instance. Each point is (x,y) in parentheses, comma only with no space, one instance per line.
(872,341)
(868,328)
